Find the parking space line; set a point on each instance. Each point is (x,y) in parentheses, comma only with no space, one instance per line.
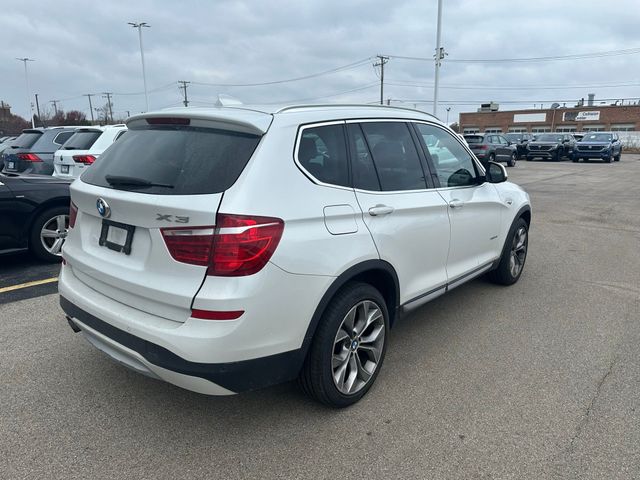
(28,284)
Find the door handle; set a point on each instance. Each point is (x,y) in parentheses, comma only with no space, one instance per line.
(380,210)
(455,203)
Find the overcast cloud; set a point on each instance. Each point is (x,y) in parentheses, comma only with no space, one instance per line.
(87,47)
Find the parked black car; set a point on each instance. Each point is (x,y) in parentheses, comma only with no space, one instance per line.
(552,146)
(32,152)
(34,214)
(520,140)
(604,146)
(492,147)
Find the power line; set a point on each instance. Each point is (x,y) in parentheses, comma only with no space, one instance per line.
(579,56)
(297,100)
(523,87)
(295,79)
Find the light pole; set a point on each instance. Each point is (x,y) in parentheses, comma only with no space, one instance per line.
(448,110)
(438,58)
(26,81)
(144,74)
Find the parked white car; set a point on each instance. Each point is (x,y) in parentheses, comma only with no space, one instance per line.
(231,248)
(84,148)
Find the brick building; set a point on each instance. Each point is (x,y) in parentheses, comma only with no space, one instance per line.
(621,118)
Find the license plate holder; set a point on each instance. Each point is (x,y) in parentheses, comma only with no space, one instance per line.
(65,168)
(11,165)
(116,236)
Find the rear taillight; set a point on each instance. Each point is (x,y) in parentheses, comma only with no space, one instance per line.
(73,214)
(86,159)
(28,157)
(239,245)
(482,147)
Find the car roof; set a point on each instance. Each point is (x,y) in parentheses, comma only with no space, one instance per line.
(258,118)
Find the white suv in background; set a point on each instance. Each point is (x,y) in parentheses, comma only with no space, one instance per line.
(231,248)
(84,148)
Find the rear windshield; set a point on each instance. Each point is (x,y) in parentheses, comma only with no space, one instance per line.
(82,140)
(473,139)
(26,140)
(182,160)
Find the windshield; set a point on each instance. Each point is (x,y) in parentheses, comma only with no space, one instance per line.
(597,137)
(473,138)
(549,137)
(189,160)
(82,140)
(26,140)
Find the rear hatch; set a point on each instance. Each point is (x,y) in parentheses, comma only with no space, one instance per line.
(16,158)
(71,160)
(160,183)
(475,142)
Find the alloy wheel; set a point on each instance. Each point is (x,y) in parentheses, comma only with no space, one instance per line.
(358,347)
(53,234)
(518,252)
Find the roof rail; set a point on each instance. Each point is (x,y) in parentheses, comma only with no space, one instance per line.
(367,105)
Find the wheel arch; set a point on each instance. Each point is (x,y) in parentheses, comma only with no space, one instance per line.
(378,273)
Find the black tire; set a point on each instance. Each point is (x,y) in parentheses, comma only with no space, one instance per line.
(503,274)
(617,157)
(609,159)
(575,159)
(558,155)
(512,160)
(35,243)
(316,378)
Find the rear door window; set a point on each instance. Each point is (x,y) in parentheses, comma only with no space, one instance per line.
(394,155)
(82,140)
(62,137)
(365,176)
(322,152)
(179,160)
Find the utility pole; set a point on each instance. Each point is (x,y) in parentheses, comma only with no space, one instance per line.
(55,106)
(380,64)
(38,110)
(107,95)
(439,56)
(140,26)
(89,95)
(26,81)
(184,89)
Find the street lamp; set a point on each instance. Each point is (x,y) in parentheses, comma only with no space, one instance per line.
(439,56)
(448,110)
(144,75)
(26,81)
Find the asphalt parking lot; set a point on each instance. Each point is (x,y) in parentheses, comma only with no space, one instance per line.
(537,380)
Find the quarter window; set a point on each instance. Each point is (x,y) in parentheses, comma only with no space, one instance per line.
(61,138)
(394,155)
(453,164)
(323,153)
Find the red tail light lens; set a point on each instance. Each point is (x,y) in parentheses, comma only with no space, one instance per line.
(239,245)
(482,147)
(189,245)
(73,214)
(29,157)
(243,244)
(86,159)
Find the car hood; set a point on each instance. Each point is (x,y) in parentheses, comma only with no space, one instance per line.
(600,144)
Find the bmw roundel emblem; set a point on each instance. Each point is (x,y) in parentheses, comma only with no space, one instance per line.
(103,208)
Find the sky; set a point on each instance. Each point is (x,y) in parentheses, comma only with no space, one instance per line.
(82,47)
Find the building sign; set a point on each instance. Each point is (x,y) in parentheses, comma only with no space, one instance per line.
(588,116)
(529,117)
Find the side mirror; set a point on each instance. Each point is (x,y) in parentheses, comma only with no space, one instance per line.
(496,173)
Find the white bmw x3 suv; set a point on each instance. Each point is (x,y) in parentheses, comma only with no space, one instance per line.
(232,248)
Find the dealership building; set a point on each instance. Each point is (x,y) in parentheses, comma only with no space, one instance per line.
(586,118)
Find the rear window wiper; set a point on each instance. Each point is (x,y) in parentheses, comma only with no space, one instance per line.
(117,180)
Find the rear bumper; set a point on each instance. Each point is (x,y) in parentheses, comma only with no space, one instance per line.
(158,362)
